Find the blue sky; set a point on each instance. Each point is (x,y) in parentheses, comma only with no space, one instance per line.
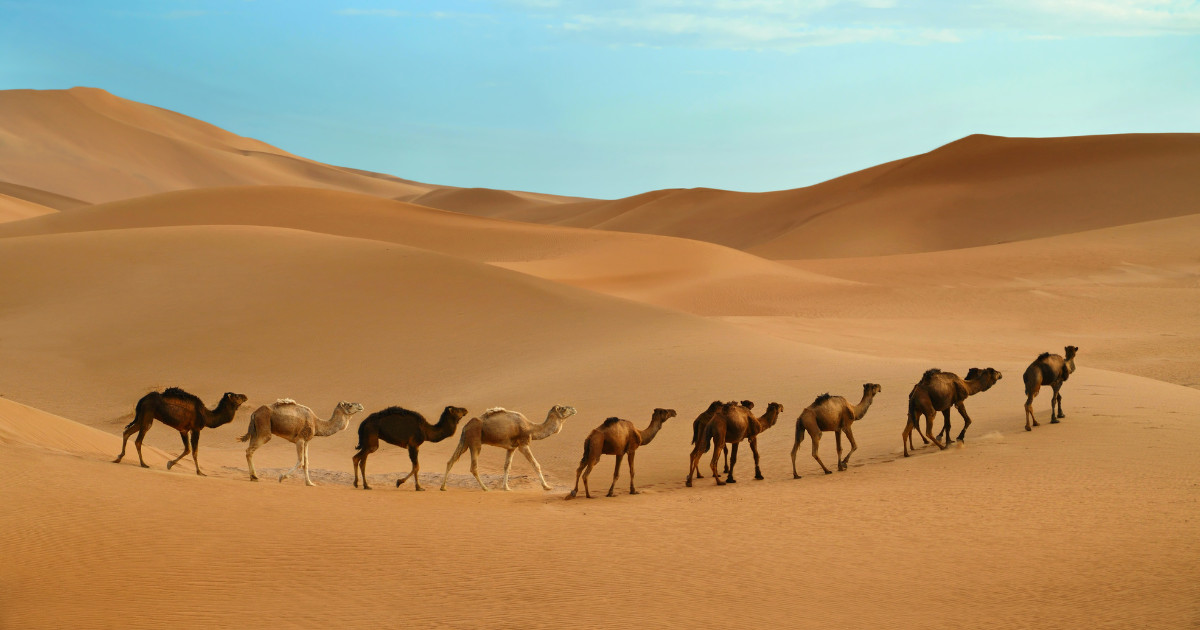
(609,98)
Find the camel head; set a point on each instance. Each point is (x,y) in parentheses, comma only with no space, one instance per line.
(870,389)
(662,415)
(562,412)
(1071,350)
(986,377)
(229,403)
(452,415)
(769,418)
(348,409)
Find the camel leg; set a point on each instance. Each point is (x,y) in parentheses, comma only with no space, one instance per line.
(250,459)
(929,428)
(616,473)
(416,468)
(307,480)
(360,461)
(1057,398)
(725,452)
(845,464)
(1030,419)
(475,465)
(754,449)
(796,447)
(536,466)
(186,449)
(732,462)
(906,435)
(694,464)
(587,492)
(816,440)
(196,452)
(945,432)
(962,411)
(837,438)
(299,461)
(716,457)
(134,427)
(632,490)
(507,463)
(458,451)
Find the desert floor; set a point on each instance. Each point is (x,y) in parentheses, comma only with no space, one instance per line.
(192,257)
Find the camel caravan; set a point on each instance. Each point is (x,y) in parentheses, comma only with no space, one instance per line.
(720,428)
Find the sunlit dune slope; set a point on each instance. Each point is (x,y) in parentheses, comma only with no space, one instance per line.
(976,191)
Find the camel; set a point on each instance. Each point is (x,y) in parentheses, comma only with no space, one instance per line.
(404,428)
(937,391)
(616,437)
(511,431)
(732,424)
(832,413)
(184,413)
(297,424)
(1047,369)
(702,420)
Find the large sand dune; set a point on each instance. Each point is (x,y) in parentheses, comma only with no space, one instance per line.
(142,249)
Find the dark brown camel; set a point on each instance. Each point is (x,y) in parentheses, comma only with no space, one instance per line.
(1047,369)
(616,437)
(184,413)
(406,429)
(732,424)
(702,421)
(938,391)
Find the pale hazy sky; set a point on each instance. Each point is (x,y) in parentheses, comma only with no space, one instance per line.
(614,97)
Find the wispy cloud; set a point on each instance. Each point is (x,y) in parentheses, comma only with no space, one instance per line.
(792,24)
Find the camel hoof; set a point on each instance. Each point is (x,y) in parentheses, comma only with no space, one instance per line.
(366,487)
(443,488)
(720,483)
(419,489)
(311,485)
(355,483)
(145,466)
(200,474)
(254,479)
(1054,421)
(610,494)
(1028,428)
(282,477)
(795,476)
(169,465)
(688,483)
(632,491)
(759,477)
(398,482)
(906,454)
(117,460)
(570,495)
(828,472)
(731,480)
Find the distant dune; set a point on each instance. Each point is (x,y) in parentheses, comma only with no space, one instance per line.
(980,190)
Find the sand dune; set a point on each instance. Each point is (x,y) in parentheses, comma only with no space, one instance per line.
(25,426)
(687,275)
(980,190)
(15,209)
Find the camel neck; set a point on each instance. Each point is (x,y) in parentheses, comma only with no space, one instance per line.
(443,429)
(863,405)
(325,428)
(552,425)
(651,431)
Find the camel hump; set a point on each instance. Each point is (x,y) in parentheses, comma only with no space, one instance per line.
(930,374)
(493,411)
(1043,356)
(610,421)
(820,399)
(285,401)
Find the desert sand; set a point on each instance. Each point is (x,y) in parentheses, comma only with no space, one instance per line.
(141,249)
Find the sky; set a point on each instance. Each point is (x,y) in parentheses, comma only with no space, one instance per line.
(609,98)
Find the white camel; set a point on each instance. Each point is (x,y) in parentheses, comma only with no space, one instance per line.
(297,424)
(511,431)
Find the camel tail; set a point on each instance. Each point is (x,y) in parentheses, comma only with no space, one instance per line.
(249,433)
(696,428)
(362,436)
(587,451)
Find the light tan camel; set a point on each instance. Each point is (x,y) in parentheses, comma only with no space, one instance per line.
(1047,369)
(297,424)
(732,424)
(832,413)
(511,431)
(938,391)
(616,437)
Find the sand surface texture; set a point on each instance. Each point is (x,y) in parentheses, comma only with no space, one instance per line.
(141,249)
